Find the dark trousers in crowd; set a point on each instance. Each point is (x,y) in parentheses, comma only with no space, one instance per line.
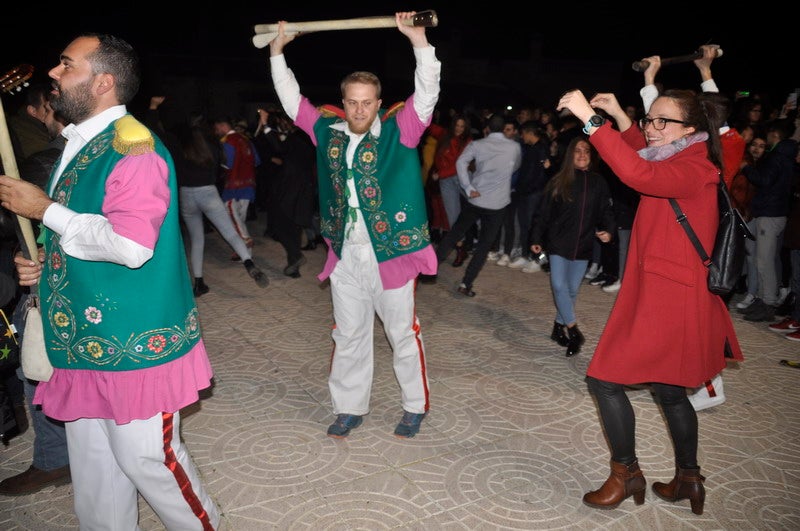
(490,223)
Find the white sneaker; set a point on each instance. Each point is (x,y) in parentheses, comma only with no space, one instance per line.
(747,301)
(493,256)
(504,260)
(532,267)
(613,287)
(701,399)
(593,271)
(519,263)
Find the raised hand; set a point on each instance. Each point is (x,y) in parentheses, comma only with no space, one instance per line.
(282,39)
(416,34)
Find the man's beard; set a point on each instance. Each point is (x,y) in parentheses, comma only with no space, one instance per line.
(75,105)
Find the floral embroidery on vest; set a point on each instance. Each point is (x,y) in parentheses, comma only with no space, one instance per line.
(388,189)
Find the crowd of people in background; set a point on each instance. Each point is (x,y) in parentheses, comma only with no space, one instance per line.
(522,188)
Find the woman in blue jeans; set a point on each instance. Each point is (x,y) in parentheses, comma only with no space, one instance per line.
(575,209)
(197,163)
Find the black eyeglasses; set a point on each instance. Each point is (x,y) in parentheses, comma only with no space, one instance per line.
(658,123)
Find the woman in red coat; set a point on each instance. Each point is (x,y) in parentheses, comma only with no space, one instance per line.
(666,328)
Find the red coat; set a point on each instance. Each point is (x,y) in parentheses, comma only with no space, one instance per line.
(665,325)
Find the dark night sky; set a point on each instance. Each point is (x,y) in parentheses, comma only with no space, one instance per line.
(758,56)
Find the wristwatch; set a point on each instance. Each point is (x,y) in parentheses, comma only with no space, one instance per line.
(595,121)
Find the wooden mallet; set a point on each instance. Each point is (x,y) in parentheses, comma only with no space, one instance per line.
(266,32)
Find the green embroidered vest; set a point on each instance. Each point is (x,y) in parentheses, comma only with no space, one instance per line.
(104,316)
(388,182)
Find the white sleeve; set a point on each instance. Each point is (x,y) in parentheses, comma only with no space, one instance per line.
(426,82)
(91,237)
(286,86)
(649,93)
(709,86)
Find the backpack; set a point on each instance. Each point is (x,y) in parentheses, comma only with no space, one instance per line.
(727,257)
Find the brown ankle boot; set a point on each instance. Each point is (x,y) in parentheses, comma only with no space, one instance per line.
(687,484)
(624,481)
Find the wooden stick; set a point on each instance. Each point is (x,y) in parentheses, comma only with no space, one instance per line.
(10,169)
(266,32)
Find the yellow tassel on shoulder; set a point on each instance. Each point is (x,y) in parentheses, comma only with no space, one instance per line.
(131,137)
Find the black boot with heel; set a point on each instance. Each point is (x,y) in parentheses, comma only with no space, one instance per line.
(559,335)
(575,340)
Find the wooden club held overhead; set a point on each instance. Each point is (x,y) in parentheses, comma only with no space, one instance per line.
(266,32)
(641,66)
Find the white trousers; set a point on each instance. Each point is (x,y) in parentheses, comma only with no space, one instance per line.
(358,295)
(237,210)
(111,463)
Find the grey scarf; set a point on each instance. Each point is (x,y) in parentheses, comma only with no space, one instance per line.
(658,153)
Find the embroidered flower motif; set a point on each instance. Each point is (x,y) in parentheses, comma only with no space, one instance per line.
(94,349)
(61,196)
(333,153)
(138,348)
(193,323)
(174,338)
(367,157)
(370,192)
(55,260)
(93,315)
(404,240)
(400,217)
(111,351)
(381,226)
(64,335)
(61,319)
(157,343)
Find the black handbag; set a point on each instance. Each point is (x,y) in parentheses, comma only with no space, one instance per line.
(726,262)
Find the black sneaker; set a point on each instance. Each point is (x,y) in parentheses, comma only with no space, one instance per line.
(200,287)
(756,307)
(764,312)
(609,280)
(294,268)
(600,279)
(258,275)
(409,425)
(464,290)
(343,424)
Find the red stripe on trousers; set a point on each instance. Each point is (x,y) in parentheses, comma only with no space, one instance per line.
(229,208)
(424,369)
(180,475)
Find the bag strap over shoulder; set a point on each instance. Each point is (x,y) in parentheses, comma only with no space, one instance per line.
(681,218)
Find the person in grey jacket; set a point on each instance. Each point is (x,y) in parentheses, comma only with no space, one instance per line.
(488,191)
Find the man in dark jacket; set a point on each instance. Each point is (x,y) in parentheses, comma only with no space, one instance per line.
(772,178)
(527,191)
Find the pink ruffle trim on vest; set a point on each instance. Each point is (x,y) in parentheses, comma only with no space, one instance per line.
(126,395)
(395,273)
